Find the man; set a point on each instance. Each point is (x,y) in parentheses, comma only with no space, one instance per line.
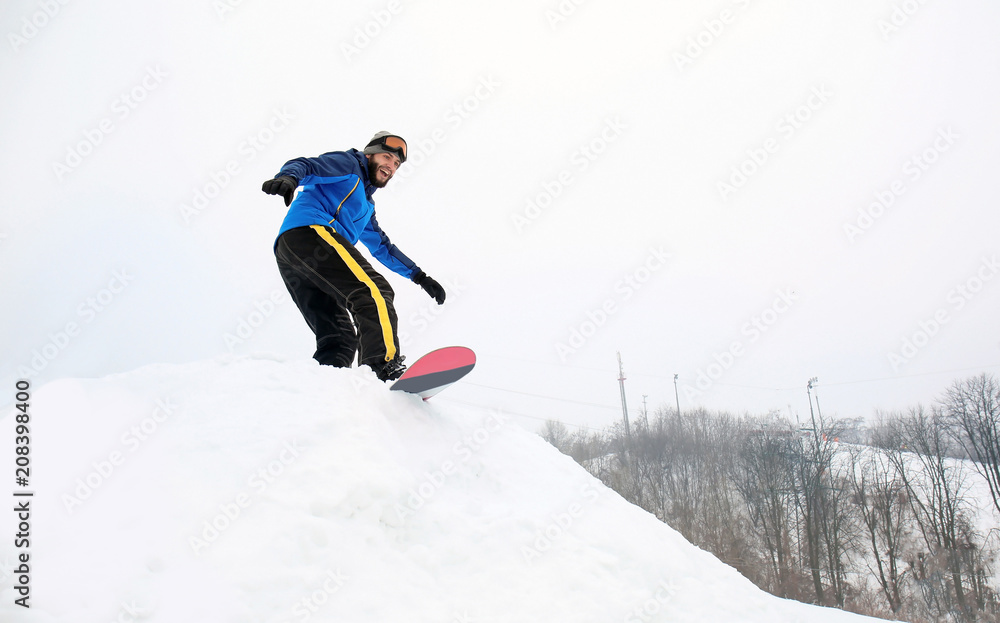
(333,285)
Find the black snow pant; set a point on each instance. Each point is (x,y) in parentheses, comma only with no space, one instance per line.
(337,290)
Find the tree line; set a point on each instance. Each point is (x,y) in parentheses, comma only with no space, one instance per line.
(895,518)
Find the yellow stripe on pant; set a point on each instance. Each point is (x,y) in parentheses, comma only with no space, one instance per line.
(362,276)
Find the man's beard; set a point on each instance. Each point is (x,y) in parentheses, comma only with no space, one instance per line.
(373,175)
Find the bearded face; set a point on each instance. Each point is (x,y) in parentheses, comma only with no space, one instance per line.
(381,168)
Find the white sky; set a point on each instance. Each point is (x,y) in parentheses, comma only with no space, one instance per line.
(530,93)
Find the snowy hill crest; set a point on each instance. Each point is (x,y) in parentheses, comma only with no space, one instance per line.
(277,491)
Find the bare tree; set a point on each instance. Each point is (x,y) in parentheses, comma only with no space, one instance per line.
(557,434)
(935,486)
(825,512)
(763,475)
(880,499)
(809,466)
(798,513)
(721,525)
(837,525)
(972,407)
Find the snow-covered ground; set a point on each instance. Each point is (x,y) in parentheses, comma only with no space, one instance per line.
(976,502)
(256,490)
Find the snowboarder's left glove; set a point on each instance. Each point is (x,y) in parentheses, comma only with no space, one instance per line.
(284,186)
(430,286)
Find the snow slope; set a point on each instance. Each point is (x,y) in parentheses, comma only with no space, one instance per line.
(257,490)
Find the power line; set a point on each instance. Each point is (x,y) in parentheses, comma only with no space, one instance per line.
(524,415)
(566,400)
(591,404)
(909,376)
(795,388)
(884,378)
(664,378)
(547,363)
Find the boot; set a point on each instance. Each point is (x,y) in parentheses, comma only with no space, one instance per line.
(389,370)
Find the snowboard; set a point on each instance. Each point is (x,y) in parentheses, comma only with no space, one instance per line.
(435,371)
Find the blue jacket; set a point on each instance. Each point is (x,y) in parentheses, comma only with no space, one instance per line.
(335,191)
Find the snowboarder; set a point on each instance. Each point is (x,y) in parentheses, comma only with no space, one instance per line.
(333,285)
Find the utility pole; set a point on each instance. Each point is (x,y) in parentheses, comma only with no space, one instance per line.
(812,415)
(645,412)
(677,396)
(809,387)
(621,383)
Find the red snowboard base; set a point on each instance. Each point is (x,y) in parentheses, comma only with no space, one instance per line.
(435,371)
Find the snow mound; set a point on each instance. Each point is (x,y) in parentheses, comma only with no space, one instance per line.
(256,490)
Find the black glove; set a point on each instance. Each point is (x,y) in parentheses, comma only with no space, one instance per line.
(284,186)
(430,286)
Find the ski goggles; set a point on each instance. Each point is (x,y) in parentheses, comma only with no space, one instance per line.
(391,143)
